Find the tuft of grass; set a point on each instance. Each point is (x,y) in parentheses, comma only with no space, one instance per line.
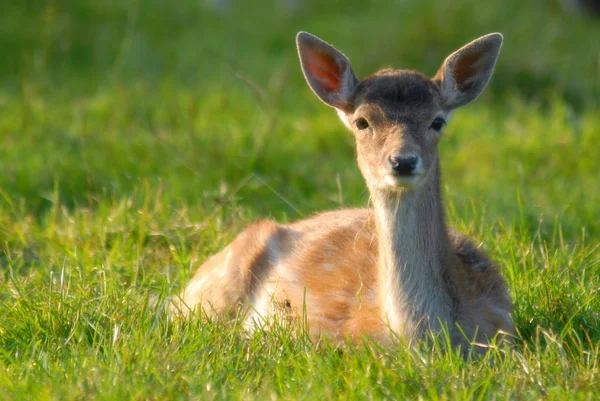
(139,137)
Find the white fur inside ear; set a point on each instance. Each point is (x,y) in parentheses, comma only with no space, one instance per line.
(344,118)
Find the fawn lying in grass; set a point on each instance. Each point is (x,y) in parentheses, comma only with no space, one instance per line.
(391,270)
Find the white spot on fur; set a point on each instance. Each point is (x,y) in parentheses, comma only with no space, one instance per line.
(262,308)
(288,275)
(195,286)
(225,268)
(329,267)
(390,306)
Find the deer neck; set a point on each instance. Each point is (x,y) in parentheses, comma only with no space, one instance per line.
(415,264)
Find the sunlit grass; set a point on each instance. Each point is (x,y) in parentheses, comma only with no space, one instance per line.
(138,138)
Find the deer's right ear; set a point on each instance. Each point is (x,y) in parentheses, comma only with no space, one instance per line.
(467,71)
(327,71)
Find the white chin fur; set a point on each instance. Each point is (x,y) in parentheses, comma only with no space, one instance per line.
(400,182)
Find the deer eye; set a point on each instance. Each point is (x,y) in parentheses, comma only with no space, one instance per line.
(438,123)
(361,124)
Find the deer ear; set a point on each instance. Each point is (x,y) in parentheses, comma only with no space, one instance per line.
(327,71)
(467,71)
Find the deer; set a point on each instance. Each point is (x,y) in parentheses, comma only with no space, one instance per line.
(393,270)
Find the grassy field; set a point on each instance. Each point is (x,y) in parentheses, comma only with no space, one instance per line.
(138,137)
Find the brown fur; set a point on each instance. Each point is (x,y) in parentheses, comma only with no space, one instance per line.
(395,268)
(342,302)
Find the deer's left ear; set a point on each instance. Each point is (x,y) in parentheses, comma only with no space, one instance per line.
(327,71)
(467,71)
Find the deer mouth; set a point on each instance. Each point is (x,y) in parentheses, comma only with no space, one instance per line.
(397,180)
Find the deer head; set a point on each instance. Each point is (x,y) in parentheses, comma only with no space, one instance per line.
(397,116)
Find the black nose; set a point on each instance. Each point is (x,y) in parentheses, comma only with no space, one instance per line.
(404,165)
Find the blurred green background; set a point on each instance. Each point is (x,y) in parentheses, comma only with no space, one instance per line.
(138,137)
(99,95)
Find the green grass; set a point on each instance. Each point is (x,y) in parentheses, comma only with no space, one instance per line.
(139,137)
